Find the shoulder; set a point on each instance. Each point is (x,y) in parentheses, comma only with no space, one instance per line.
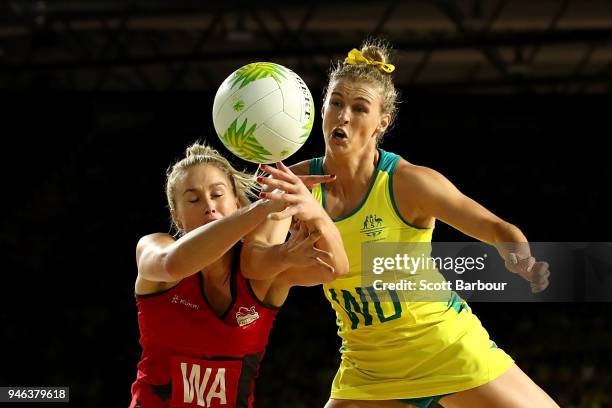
(414,175)
(147,250)
(157,239)
(420,182)
(302,168)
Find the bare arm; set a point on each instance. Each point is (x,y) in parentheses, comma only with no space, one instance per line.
(303,207)
(332,242)
(436,196)
(298,257)
(314,254)
(265,253)
(160,258)
(313,266)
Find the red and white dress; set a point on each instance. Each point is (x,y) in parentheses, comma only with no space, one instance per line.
(191,357)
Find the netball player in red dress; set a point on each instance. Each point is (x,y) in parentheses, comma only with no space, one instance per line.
(207,296)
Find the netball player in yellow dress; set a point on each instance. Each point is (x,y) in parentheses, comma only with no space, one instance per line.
(403,353)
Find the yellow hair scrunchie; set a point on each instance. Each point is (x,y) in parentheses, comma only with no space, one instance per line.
(356,57)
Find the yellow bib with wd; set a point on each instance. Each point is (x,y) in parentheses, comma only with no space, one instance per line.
(399,348)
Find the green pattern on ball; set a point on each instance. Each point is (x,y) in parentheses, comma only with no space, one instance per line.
(308,127)
(255,71)
(241,142)
(238,106)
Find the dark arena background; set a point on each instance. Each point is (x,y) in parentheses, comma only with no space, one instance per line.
(511,100)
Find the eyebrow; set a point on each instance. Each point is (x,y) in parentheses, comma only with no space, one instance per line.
(359,97)
(212,185)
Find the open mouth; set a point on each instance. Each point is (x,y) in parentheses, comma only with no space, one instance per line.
(339,134)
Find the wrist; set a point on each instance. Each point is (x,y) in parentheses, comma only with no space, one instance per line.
(273,206)
(260,209)
(520,250)
(320,222)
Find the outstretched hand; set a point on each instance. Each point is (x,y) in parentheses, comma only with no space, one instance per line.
(301,251)
(537,273)
(294,194)
(309,181)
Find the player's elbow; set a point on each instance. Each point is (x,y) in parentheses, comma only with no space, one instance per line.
(331,275)
(171,265)
(340,272)
(342,266)
(152,260)
(337,271)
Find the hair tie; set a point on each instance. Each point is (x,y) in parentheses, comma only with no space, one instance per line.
(356,57)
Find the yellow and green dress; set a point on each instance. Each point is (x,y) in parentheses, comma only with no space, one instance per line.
(400,348)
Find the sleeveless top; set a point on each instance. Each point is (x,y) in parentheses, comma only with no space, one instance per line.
(190,355)
(396,343)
